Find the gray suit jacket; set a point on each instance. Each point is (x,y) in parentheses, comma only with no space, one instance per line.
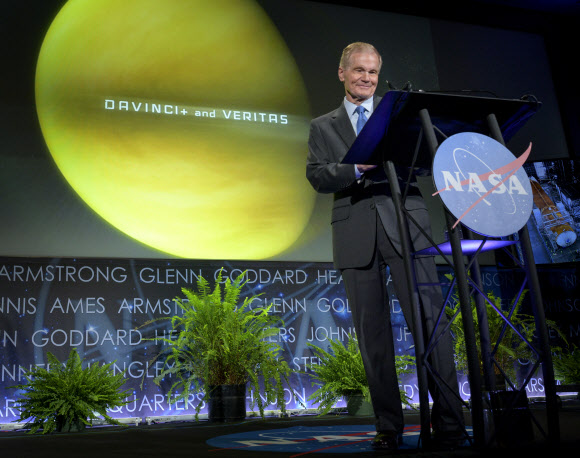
(356,203)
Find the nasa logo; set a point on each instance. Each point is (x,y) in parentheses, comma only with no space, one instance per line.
(483,184)
(305,440)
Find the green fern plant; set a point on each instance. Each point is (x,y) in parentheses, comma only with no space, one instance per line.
(340,372)
(567,366)
(62,396)
(222,342)
(510,348)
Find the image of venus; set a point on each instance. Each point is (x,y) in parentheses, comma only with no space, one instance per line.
(182,123)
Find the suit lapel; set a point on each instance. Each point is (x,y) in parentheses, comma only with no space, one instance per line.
(343,127)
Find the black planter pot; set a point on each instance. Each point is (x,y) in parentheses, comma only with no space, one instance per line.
(227,403)
(512,418)
(66,425)
(358,406)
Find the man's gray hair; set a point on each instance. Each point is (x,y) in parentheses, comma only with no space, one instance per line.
(355,47)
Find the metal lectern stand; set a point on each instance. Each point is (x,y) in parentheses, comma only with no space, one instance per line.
(399,124)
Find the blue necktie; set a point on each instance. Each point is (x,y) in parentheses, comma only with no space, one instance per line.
(361,118)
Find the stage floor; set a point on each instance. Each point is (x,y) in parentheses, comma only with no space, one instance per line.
(296,436)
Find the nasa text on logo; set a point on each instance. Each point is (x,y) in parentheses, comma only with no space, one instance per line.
(483,184)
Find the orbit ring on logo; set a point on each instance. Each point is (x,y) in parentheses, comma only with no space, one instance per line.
(483,184)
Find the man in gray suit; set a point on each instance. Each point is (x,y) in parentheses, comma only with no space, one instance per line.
(365,241)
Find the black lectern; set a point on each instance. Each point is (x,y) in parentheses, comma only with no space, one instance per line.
(402,132)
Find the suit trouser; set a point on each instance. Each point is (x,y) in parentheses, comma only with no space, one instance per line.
(367,294)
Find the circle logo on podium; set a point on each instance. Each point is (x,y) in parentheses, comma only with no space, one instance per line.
(483,184)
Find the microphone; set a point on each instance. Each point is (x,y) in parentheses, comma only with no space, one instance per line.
(407,87)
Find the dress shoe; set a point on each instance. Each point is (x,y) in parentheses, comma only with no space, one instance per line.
(387,440)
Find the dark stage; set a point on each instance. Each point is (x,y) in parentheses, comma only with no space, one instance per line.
(331,435)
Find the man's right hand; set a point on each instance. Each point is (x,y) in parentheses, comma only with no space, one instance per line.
(362,168)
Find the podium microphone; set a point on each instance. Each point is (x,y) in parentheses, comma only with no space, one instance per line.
(407,87)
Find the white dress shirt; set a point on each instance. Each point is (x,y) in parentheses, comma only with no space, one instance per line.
(353,116)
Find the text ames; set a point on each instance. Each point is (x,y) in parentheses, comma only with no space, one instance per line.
(82,305)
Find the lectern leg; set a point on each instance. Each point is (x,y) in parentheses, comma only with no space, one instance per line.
(464,302)
(469,332)
(416,315)
(539,315)
(540,320)
(481,309)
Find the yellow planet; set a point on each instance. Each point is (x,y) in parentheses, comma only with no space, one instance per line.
(183,123)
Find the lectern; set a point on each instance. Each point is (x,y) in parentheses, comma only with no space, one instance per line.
(403,133)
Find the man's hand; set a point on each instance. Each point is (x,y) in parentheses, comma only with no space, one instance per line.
(362,168)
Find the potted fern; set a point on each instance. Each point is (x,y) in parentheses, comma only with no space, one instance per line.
(511,414)
(63,398)
(511,347)
(567,366)
(340,373)
(221,346)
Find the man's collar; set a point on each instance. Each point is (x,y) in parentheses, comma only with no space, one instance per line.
(350,107)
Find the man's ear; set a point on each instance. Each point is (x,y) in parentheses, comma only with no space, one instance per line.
(341,74)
